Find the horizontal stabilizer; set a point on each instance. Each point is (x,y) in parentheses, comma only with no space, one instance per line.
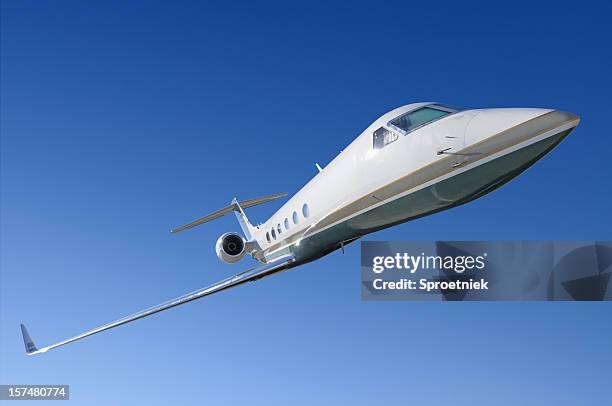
(228,209)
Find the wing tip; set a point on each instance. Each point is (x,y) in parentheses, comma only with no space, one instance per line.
(30,347)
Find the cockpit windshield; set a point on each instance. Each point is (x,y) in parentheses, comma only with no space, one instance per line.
(419,117)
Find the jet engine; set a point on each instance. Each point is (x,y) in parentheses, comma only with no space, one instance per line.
(230,247)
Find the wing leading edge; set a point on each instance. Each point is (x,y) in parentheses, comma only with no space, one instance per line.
(238,279)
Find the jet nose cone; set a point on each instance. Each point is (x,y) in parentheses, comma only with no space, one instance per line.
(520,123)
(571,117)
(489,122)
(558,120)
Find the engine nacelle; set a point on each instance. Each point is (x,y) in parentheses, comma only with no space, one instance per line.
(231,247)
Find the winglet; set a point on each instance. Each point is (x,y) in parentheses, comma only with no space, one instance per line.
(30,347)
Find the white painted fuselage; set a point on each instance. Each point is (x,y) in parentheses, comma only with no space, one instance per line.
(421,171)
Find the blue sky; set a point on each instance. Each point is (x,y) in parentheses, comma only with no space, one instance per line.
(122,119)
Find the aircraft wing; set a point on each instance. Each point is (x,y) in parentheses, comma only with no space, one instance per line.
(238,279)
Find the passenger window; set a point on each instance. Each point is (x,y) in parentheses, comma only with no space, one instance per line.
(305,210)
(278,229)
(268,237)
(286,224)
(273,234)
(295,218)
(384,137)
(418,118)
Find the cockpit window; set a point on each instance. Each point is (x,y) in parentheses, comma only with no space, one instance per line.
(452,109)
(383,137)
(419,117)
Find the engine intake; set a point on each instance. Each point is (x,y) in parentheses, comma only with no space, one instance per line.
(230,247)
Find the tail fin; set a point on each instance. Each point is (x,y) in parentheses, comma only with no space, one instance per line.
(235,207)
(245,224)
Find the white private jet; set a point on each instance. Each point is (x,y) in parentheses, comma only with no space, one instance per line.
(413,161)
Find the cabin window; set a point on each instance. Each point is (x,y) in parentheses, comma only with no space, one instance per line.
(419,117)
(305,210)
(384,137)
(273,234)
(295,217)
(268,237)
(278,229)
(286,223)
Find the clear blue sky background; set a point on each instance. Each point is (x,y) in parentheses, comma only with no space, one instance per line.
(122,119)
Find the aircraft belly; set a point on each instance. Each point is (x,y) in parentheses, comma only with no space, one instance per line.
(455,189)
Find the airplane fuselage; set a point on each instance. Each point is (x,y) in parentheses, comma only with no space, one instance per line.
(373,184)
